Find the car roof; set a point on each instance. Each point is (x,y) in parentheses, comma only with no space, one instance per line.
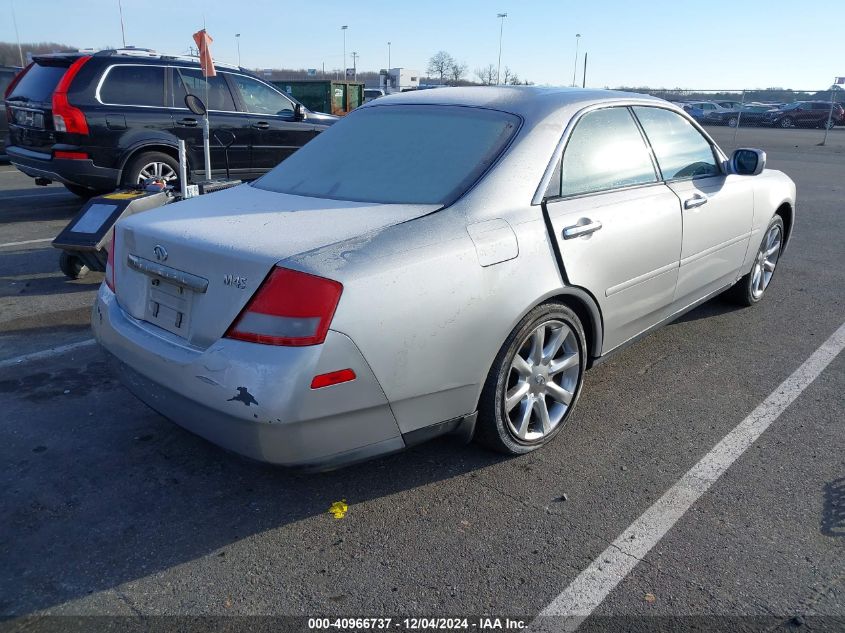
(134,55)
(526,101)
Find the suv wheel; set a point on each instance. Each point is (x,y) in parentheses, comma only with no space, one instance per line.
(828,124)
(786,122)
(534,382)
(151,165)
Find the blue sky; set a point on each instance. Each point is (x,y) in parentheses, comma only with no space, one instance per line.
(704,44)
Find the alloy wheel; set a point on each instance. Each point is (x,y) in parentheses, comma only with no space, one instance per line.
(542,381)
(157,170)
(765,262)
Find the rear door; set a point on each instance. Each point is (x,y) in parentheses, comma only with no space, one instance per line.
(618,228)
(274,131)
(30,105)
(227,125)
(718,208)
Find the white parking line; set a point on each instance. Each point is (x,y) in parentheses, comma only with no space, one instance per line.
(43,239)
(37,194)
(46,353)
(568,610)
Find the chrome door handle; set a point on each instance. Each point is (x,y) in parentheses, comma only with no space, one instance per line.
(187,122)
(579,230)
(696,201)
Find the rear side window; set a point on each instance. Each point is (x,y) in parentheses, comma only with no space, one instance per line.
(605,151)
(189,81)
(134,85)
(260,98)
(680,149)
(38,84)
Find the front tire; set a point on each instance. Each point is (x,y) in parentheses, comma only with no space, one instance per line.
(786,122)
(733,121)
(751,288)
(535,381)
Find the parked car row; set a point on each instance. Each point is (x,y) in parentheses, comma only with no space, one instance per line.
(96,121)
(807,114)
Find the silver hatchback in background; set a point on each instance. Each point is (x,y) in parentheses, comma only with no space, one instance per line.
(437,261)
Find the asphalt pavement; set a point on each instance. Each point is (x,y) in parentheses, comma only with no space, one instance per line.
(110,510)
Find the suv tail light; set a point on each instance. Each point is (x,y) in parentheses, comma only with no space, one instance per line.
(289,308)
(67,118)
(110,263)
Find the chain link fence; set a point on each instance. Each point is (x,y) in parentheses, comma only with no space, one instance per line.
(821,110)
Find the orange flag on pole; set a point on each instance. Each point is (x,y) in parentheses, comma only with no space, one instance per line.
(204,40)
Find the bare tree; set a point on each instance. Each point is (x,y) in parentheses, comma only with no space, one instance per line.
(440,65)
(508,77)
(486,75)
(457,71)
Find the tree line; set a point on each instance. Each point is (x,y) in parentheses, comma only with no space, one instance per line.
(10,55)
(448,70)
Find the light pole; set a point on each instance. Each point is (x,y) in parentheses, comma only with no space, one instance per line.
(238,40)
(343,28)
(355,65)
(388,56)
(501,16)
(575,67)
(122,32)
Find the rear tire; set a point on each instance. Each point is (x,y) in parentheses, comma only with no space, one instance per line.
(535,381)
(72,266)
(751,288)
(733,121)
(148,165)
(786,122)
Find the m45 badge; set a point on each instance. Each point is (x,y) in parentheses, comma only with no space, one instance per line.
(235,280)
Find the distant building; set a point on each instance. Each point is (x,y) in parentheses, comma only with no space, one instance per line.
(394,80)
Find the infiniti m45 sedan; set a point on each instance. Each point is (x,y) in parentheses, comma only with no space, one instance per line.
(442,261)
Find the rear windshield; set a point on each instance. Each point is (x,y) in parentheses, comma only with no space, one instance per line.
(396,154)
(37,84)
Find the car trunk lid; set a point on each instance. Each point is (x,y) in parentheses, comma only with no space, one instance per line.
(190,267)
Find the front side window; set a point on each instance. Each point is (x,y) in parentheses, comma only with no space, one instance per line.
(134,85)
(260,98)
(216,95)
(680,149)
(605,151)
(366,156)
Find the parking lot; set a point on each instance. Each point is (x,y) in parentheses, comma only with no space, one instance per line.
(110,509)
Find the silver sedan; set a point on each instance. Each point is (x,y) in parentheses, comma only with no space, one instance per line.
(442,261)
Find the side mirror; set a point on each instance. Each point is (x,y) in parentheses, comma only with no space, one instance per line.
(195,105)
(748,162)
(299,113)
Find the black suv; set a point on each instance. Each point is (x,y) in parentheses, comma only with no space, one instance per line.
(7,74)
(97,121)
(806,114)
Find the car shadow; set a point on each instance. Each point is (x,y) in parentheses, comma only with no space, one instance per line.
(112,492)
(714,307)
(21,205)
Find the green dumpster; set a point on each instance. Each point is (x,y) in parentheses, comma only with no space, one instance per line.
(325,95)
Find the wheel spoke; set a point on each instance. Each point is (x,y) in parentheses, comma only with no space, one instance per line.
(525,418)
(559,393)
(768,265)
(538,339)
(521,366)
(555,343)
(568,362)
(755,278)
(515,394)
(543,413)
(774,249)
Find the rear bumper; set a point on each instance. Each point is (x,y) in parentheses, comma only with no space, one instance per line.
(254,399)
(82,173)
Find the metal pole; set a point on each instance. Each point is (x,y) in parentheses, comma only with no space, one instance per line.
(739,116)
(183,170)
(206,136)
(584,80)
(829,116)
(575,66)
(122,32)
(17,35)
(502,17)
(388,56)
(343,28)
(238,40)
(355,65)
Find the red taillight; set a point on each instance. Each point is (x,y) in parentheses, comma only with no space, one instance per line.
(15,80)
(289,308)
(70,155)
(67,118)
(332,378)
(110,263)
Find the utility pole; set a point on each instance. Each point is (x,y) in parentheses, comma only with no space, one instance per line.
(355,65)
(575,67)
(238,40)
(17,35)
(502,17)
(343,28)
(584,81)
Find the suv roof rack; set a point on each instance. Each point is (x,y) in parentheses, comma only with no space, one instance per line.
(133,51)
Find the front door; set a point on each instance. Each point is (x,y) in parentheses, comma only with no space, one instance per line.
(717,208)
(275,133)
(618,228)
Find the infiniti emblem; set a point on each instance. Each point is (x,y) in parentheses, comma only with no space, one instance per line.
(540,380)
(160,252)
